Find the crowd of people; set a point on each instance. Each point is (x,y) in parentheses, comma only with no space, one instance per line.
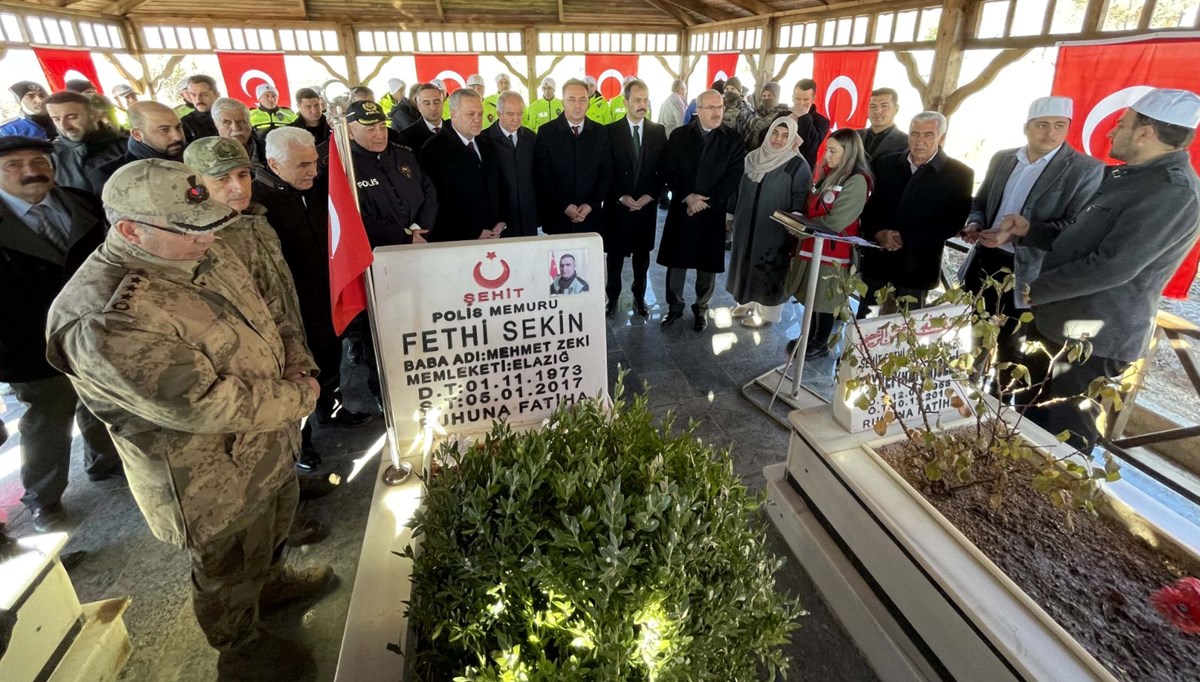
(166,268)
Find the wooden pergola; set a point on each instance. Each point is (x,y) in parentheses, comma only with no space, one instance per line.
(770,34)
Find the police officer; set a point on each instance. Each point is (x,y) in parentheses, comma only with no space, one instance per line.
(124,95)
(268,115)
(397,200)
(33,121)
(167,339)
(394,95)
(503,84)
(1104,271)
(545,109)
(597,106)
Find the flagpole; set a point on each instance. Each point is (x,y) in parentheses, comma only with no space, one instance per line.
(397,472)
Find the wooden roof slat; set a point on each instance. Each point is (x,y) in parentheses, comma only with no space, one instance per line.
(702,9)
(753,6)
(682,17)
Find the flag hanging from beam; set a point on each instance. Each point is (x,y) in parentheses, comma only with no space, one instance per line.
(610,71)
(452,70)
(245,71)
(844,81)
(61,65)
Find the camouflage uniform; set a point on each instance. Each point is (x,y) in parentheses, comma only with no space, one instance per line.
(184,361)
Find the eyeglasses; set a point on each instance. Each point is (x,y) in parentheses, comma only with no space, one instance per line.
(715,107)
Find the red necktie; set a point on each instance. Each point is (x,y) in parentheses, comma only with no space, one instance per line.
(437,129)
(575,131)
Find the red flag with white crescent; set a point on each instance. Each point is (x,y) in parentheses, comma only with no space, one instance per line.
(452,70)
(61,65)
(1130,69)
(245,71)
(844,82)
(349,249)
(610,71)
(721,66)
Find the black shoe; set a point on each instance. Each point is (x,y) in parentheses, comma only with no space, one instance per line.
(115,472)
(306,532)
(640,308)
(49,517)
(289,584)
(309,460)
(610,307)
(670,318)
(701,322)
(355,353)
(816,353)
(313,486)
(343,417)
(267,657)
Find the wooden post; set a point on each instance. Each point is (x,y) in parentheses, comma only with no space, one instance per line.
(133,40)
(350,49)
(766,57)
(956,23)
(531,84)
(685,53)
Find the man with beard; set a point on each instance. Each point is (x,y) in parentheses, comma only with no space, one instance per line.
(463,167)
(631,210)
(46,232)
(311,116)
(568,281)
(155,132)
(33,121)
(296,199)
(739,115)
(769,109)
(572,167)
(201,93)
(703,165)
(83,145)
(233,121)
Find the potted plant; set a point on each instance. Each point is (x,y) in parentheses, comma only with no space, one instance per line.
(598,547)
(991,548)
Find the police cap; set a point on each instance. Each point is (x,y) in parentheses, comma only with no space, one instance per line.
(216,156)
(20,143)
(22,88)
(366,113)
(166,194)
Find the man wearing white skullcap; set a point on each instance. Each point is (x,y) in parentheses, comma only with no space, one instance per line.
(1045,181)
(268,115)
(545,109)
(597,105)
(503,84)
(393,97)
(1104,271)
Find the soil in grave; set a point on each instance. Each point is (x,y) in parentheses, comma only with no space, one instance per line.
(1095,580)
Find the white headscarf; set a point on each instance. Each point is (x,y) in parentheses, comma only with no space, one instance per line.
(767,158)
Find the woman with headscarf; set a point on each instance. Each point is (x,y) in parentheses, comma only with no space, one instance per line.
(844,183)
(777,178)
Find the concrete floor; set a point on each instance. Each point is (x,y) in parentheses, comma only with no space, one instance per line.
(698,375)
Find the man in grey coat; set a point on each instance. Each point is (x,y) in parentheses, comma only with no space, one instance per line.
(1103,272)
(1046,181)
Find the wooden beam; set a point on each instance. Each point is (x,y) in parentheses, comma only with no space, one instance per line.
(758,7)
(953,28)
(682,17)
(1093,16)
(985,78)
(560,12)
(766,56)
(667,67)
(703,9)
(350,49)
(441,12)
(531,50)
(909,62)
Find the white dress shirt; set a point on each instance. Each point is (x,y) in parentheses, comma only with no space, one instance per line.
(1020,182)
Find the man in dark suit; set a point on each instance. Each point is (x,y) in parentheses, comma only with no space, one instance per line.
(631,210)
(812,125)
(1044,181)
(46,232)
(466,173)
(703,165)
(429,104)
(514,145)
(921,199)
(882,138)
(572,166)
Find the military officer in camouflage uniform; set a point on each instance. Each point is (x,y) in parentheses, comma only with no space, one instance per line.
(167,340)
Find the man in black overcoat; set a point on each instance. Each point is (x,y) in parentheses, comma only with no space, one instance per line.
(703,165)
(514,145)
(631,210)
(464,169)
(921,199)
(572,167)
(429,104)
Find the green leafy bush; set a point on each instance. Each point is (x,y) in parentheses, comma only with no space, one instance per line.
(599,547)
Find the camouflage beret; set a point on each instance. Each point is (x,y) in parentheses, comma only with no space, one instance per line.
(215,156)
(165,194)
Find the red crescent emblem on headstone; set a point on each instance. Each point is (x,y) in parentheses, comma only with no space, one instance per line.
(491,283)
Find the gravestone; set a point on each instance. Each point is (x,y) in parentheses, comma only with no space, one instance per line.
(880,336)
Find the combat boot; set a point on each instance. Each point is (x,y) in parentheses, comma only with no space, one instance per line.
(290,584)
(267,658)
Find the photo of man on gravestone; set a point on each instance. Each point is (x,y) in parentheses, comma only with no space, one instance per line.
(564,276)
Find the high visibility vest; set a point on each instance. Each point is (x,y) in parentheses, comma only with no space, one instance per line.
(183,110)
(387,102)
(542,112)
(261,120)
(490,113)
(598,110)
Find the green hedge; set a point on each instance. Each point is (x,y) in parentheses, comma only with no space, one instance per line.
(599,547)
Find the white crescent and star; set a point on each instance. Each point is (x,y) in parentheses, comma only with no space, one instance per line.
(1108,106)
(335,230)
(842,83)
(610,73)
(449,75)
(255,73)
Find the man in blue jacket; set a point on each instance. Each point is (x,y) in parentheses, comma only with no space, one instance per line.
(33,121)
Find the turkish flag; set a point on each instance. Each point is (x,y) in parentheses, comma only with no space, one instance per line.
(610,71)
(452,69)
(349,248)
(1130,69)
(721,65)
(844,81)
(245,71)
(61,66)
